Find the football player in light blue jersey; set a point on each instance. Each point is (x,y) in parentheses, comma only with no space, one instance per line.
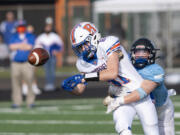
(143,55)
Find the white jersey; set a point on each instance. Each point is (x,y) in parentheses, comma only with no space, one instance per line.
(128,78)
(46,41)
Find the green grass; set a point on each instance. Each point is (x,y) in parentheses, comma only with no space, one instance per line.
(63,117)
(63,70)
(5,73)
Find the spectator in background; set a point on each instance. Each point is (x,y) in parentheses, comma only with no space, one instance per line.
(20,45)
(30,29)
(7,27)
(36,90)
(53,43)
(4,53)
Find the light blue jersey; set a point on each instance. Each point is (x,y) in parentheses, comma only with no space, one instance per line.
(155,73)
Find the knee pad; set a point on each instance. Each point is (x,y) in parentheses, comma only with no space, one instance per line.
(125,132)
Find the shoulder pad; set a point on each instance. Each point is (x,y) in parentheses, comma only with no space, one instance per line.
(156,69)
(110,39)
(153,72)
(110,44)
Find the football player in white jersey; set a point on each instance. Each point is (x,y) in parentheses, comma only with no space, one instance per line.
(143,55)
(104,59)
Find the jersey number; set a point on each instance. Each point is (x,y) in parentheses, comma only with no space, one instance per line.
(122,80)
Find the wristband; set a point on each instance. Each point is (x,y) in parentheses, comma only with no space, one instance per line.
(91,76)
(142,93)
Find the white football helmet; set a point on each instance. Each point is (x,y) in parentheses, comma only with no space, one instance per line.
(87,34)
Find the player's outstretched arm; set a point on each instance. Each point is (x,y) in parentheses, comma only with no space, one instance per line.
(76,83)
(146,88)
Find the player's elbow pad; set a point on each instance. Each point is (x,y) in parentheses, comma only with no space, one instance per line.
(142,93)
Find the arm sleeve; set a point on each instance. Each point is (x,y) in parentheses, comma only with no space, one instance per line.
(38,42)
(59,42)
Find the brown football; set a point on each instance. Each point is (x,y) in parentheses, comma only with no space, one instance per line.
(38,57)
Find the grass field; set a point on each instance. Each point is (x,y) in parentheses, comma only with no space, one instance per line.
(66,117)
(65,70)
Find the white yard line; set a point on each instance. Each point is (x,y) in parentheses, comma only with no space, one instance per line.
(54,122)
(56,111)
(177,114)
(71,122)
(50,112)
(176,104)
(177,132)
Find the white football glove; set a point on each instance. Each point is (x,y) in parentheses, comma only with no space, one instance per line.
(114,104)
(171,92)
(107,100)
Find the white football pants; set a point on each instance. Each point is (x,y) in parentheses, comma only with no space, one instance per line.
(166,118)
(145,109)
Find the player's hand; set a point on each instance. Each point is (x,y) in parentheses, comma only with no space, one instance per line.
(79,89)
(107,100)
(70,83)
(114,103)
(172,92)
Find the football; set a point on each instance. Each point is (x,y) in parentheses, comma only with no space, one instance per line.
(38,57)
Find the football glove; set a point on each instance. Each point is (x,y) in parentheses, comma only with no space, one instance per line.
(114,104)
(70,83)
(171,92)
(107,100)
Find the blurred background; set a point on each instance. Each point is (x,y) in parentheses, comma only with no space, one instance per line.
(159,20)
(129,20)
